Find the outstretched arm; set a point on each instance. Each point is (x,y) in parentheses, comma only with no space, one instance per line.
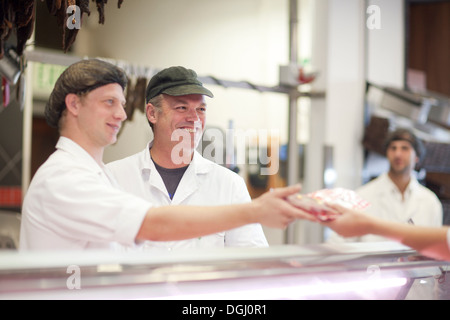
(171,223)
(428,241)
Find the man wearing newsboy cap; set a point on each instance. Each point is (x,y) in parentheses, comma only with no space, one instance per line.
(169,171)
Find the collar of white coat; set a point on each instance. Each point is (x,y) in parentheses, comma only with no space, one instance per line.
(199,164)
(83,157)
(412,185)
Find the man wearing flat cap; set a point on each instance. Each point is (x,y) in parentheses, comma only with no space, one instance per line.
(396,195)
(169,171)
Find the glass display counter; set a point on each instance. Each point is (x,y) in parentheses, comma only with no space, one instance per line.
(348,271)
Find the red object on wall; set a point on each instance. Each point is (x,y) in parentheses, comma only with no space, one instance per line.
(10,196)
(5,89)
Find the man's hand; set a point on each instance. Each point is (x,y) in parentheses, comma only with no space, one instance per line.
(273,210)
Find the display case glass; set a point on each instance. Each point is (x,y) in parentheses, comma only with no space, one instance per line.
(348,271)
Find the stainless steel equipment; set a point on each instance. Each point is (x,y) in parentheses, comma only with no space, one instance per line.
(348,271)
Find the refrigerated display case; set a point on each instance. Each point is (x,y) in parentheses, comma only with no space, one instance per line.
(347,271)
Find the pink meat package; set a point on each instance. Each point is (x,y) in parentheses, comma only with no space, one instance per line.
(315,202)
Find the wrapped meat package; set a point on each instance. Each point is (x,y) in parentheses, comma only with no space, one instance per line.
(316,202)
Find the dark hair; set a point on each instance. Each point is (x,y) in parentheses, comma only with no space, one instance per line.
(406,135)
(81,78)
(157,104)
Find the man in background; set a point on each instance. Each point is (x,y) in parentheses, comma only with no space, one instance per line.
(397,195)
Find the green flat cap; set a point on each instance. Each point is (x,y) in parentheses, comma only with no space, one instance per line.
(175,81)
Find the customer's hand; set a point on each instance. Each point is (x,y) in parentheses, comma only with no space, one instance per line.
(350,223)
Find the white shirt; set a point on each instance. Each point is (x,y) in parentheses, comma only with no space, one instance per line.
(448,239)
(74,204)
(203,183)
(420,205)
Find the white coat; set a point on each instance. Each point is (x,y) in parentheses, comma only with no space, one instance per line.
(73,203)
(203,183)
(420,205)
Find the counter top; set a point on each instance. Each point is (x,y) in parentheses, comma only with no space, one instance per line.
(159,274)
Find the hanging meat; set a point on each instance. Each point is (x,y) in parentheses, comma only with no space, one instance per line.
(101,10)
(59,9)
(19,15)
(139,93)
(69,36)
(6,23)
(24,22)
(130,97)
(62,14)
(84,6)
(135,97)
(53,6)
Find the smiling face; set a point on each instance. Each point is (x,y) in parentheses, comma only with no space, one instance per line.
(180,119)
(100,115)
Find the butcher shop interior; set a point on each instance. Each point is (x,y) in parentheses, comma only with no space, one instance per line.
(347,102)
